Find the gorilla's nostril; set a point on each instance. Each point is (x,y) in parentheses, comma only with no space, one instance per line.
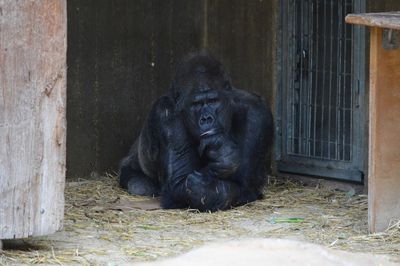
(206,120)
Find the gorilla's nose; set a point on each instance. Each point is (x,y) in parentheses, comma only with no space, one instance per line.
(206,120)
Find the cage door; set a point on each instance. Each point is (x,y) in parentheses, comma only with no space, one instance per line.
(320,116)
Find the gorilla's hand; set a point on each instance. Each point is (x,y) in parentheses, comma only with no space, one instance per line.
(222,155)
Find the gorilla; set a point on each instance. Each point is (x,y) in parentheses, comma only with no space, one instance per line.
(204,144)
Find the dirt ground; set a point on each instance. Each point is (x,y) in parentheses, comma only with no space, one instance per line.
(102,227)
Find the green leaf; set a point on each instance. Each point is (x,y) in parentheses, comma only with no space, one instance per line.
(287,220)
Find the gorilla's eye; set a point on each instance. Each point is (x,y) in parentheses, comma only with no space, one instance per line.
(197,104)
(213,101)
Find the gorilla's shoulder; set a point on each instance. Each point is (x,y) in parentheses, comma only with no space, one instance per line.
(161,111)
(163,104)
(248,99)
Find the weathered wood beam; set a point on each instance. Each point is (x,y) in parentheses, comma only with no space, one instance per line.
(32,116)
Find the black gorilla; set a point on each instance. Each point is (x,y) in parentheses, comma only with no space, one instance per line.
(203,145)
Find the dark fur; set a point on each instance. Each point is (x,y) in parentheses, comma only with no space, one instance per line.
(178,158)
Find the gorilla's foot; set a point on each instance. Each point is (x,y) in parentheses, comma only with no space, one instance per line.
(143,186)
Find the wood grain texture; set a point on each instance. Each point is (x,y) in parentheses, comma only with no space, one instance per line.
(121,58)
(384,149)
(389,20)
(122,55)
(242,34)
(32,116)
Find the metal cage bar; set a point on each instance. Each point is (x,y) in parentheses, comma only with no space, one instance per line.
(319,79)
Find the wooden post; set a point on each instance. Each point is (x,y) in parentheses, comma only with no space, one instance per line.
(32,116)
(384,117)
(384,167)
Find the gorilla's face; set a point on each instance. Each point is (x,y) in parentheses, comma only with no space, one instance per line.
(201,91)
(207,109)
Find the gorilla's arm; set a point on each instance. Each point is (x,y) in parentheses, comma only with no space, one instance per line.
(188,183)
(222,155)
(253,127)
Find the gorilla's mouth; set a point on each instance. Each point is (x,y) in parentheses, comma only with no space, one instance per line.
(211,132)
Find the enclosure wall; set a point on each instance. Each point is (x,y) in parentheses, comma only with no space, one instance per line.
(120,59)
(243,36)
(383,5)
(121,56)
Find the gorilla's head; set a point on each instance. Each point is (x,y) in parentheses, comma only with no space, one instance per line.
(201,91)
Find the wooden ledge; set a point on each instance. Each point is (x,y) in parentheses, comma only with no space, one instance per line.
(388,20)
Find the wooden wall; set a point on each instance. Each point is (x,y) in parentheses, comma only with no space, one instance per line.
(122,53)
(112,45)
(33,47)
(383,5)
(242,34)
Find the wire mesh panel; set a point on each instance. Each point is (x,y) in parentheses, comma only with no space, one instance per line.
(322,75)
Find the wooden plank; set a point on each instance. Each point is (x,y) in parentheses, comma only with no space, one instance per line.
(390,20)
(384,149)
(121,57)
(242,34)
(32,116)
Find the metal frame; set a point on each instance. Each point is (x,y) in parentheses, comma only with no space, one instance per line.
(304,161)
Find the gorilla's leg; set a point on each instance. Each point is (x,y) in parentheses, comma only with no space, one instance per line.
(140,174)
(185,182)
(199,191)
(133,179)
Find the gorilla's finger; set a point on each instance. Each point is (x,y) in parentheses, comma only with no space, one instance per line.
(202,147)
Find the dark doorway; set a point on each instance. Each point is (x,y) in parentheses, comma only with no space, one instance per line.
(320,118)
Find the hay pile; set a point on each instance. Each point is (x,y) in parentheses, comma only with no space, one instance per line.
(94,233)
